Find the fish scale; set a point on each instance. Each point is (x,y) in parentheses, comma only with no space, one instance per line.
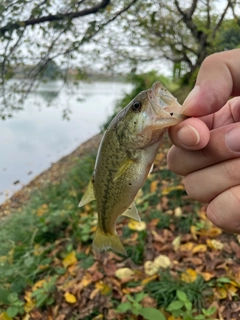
(125,157)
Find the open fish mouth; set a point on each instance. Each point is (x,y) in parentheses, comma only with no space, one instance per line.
(163,102)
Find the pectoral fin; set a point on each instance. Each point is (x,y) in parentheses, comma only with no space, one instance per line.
(88,195)
(132,213)
(125,164)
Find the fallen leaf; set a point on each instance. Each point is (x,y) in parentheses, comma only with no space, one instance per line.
(150,268)
(137,226)
(70,259)
(187,246)
(124,273)
(199,248)
(221,293)
(178,212)
(231,289)
(39,284)
(29,306)
(189,275)
(5,316)
(103,288)
(149,279)
(70,298)
(207,275)
(167,190)
(42,210)
(215,244)
(194,232)
(176,243)
(162,261)
(86,280)
(153,186)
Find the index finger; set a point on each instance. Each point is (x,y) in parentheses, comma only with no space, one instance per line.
(217,80)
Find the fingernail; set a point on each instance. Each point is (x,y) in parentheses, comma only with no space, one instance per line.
(190,98)
(232,139)
(188,136)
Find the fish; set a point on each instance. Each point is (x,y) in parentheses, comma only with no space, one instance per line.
(125,157)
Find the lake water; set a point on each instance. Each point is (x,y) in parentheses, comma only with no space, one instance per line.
(38,136)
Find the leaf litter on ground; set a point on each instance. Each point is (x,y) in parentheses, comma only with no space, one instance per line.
(178,265)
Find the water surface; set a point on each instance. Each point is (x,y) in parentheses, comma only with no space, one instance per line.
(38,136)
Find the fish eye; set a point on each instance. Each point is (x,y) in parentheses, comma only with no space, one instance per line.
(136,106)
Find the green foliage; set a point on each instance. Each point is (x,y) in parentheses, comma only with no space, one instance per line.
(43,222)
(45,294)
(165,290)
(134,306)
(229,38)
(15,305)
(182,307)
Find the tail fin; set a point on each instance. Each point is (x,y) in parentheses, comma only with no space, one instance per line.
(103,241)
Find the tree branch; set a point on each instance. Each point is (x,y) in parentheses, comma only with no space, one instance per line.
(56,17)
(221,18)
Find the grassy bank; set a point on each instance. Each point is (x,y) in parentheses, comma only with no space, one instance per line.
(179,266)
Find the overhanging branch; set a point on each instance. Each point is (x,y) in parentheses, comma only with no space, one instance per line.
(56,17)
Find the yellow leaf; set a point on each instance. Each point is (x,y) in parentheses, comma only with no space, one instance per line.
(189,275)
(150,268)
(162,261)
(124,273)
(99,317)
(199,248)
(5,316)
(70,259)
(38,284)
(188,246)
(231,289)
(235,283)
(207,275)
(29,306)
(38,250)
(176,243)
(136,226)
(178,212)
(214,244)
(42,210)
(70,298)
(221,293)
(103,288)
(86,280)
(193,231)
(153,186)
(174,318)
(149,279)
(167,190)
(28,296)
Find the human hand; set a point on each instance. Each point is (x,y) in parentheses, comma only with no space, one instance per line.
(207,147)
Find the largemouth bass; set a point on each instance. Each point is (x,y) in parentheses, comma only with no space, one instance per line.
(125,156)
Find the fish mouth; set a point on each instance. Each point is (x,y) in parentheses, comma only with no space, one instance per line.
(163,103)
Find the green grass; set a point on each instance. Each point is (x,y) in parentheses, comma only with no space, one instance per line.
(28,237)
(165,290)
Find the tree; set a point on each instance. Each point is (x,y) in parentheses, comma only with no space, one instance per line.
(182,32)
(35,32)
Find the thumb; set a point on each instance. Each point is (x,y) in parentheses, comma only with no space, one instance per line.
(217,80)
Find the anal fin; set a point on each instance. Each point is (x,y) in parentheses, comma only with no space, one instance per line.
(132,213)
(88,195)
